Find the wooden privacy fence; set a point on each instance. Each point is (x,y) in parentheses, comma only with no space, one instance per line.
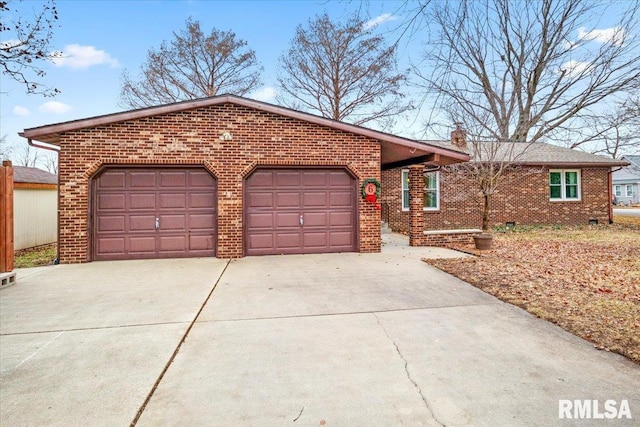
(6,217)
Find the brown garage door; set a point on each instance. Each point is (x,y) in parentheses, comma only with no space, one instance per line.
(294,211)
(154,213)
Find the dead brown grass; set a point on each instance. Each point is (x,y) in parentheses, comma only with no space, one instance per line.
(585,279)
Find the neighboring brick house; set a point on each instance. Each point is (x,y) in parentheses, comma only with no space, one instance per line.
(551,185)
(222,176)
(626,182)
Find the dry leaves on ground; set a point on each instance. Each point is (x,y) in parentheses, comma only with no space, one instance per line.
(585,279)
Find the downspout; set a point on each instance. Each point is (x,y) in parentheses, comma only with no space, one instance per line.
(52,147)
(610,179)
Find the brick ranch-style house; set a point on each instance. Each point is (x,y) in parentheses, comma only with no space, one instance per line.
(223,176)
(436,205)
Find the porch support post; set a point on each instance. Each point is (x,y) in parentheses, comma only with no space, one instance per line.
(416,204)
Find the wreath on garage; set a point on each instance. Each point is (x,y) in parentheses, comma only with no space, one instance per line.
(370,192)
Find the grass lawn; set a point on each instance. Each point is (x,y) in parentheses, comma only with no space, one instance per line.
(584,279)
(34,257)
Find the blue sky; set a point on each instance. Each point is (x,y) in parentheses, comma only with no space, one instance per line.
(102,38)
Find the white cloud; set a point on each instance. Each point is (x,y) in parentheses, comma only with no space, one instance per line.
(613,35)
(385,17)
(82,57)
(575,68)
(54,107)
(20,111)
(266,94)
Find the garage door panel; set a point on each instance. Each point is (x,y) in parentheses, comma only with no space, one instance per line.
(288,240)
(341,219)
(142,201)
(341,199)
(261,179)
(111,223)
(260,220)
(198,222)
(142,179)
(173,222)
(287,200)
(172,243)
(342,238)
(111,245)
(315,199)
(201,243)
(287,178)
(113,202)
(261,242)
(315,240)
(316,219)
(112,180)
(287,219)
(261,200)
(314,179)
(183,200)
(202,200)
(142,223)
(173,179)
(324,198)
(139,245)
(173,201)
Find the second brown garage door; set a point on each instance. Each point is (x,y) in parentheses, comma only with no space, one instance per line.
(153,213)
(296,211)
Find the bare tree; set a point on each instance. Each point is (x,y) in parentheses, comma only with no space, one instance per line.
(342,71)
(50,162)
(5,148)
(26,35)
(27,156)
(612,132)
(522,70)
(193,65)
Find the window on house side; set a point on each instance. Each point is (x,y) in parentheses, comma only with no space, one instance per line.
(431,200)
(629,190)
(618,190)
(564,185)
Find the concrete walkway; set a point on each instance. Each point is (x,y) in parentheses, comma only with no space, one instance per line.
(337,339)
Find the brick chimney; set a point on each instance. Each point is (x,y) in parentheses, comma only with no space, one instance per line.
(459,137)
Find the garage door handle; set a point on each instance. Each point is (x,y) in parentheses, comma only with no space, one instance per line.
(301,220)
(157,223)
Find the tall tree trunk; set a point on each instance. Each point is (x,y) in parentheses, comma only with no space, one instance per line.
(485,212)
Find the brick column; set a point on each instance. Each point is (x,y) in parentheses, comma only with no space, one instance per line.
(416,205)
(6,217)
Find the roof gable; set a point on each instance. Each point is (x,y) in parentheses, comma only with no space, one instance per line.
(394,149)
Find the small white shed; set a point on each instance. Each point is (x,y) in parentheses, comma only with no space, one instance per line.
(35,207)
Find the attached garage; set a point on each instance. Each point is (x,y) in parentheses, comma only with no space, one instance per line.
(297,211)
(223,176)
(147,212)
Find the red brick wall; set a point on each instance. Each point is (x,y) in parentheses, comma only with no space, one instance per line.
(523,197)
(193,138)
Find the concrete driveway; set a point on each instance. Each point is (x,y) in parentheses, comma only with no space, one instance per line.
(627,211)
(338,339)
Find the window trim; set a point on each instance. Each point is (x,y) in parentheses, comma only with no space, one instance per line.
(617,190)
(407,198)
(563,185)
(629,190)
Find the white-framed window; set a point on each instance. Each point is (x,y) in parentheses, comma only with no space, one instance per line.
(431,200)
(564,184)
(629,190)
(617,190)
